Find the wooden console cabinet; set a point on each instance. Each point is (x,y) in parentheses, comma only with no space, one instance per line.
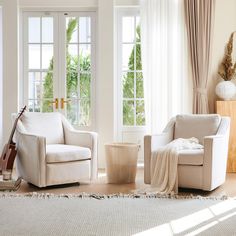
(228,108)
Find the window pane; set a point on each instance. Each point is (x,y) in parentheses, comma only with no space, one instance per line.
(84,112)
(73,50)
(72,30)
(37,106)
(34,87)
(84,30)
(128,85)
(47,106)
(72,83)
(139,88)
(31,86)
(34,29)
(30,105)
(34,56)
(138,57)
(139,75)
(137,21)
(47,29)
(78,112)
(128,57)
(85,82)
(138,32)
(128,29)
(47,81)
(34,105)
(85,57)
(85,50)
(140,115)
(47,55)
(72,111)
(128,112)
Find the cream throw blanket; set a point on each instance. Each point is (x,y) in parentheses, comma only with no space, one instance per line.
(165,175)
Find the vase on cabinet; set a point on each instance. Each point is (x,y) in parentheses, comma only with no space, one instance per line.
(225,90)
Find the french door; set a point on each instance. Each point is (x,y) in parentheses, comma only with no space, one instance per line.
(59,64)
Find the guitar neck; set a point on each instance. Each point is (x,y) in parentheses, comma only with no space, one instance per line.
(14,126)
(12,132)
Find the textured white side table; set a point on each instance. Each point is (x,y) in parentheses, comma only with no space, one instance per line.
(121,162)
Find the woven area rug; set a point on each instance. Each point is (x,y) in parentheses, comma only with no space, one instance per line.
(47,214)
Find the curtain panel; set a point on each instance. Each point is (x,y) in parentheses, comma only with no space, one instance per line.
(199,18)
(167,89)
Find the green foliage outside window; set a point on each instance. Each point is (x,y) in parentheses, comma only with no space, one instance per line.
(84,81)
(129,106)
(72,81)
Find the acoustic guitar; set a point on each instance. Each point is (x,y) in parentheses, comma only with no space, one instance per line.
(9,151)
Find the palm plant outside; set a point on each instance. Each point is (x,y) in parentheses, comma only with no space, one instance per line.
(72,78)
(134,64)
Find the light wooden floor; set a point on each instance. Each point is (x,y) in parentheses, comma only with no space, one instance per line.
(100,186)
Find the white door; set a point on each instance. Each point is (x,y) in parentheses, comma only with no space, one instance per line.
(131,115)
(59,65)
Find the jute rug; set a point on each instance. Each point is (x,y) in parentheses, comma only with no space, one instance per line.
(46,214)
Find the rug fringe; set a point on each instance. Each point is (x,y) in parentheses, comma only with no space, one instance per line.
(111,196)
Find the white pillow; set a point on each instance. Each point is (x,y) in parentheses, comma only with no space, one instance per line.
(48,125)
(198,126)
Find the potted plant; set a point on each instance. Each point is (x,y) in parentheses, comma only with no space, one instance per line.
(226,88)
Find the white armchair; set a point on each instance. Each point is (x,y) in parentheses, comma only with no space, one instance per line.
(51,151)
(199,168)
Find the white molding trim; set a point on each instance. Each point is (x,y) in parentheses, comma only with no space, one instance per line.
(58,3)
(126,3)
(58,9)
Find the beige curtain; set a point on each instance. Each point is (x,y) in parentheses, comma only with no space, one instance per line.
(199,20)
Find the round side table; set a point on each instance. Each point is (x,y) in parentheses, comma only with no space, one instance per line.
(121,162)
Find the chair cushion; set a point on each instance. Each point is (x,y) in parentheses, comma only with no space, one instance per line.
(191,157)
(198,126)
(186,157)
(56,153)
(48,125)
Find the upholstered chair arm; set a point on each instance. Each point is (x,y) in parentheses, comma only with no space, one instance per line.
(153,143)
(83,139)
(31,160)
(215,160)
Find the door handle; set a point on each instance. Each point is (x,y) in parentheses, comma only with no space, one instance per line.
(63,101)
(55,102)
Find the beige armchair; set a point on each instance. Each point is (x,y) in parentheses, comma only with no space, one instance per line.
(51,151)
(200,168)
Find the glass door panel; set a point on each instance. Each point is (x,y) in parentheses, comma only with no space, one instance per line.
(39,68)
(78,70)
(58,64)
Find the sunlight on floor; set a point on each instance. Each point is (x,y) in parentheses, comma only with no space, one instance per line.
(209,216)
(190,221)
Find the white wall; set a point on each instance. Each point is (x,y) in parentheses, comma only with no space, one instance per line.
(1,95)
(225,24)
(105,83)
(10,63)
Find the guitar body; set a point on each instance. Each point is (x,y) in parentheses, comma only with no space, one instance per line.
(9,151)
(8,157)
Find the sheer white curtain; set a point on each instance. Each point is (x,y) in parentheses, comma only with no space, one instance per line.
(1,105)
(167,89)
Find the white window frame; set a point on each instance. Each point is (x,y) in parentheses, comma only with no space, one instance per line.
(121,129)
(59,71)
